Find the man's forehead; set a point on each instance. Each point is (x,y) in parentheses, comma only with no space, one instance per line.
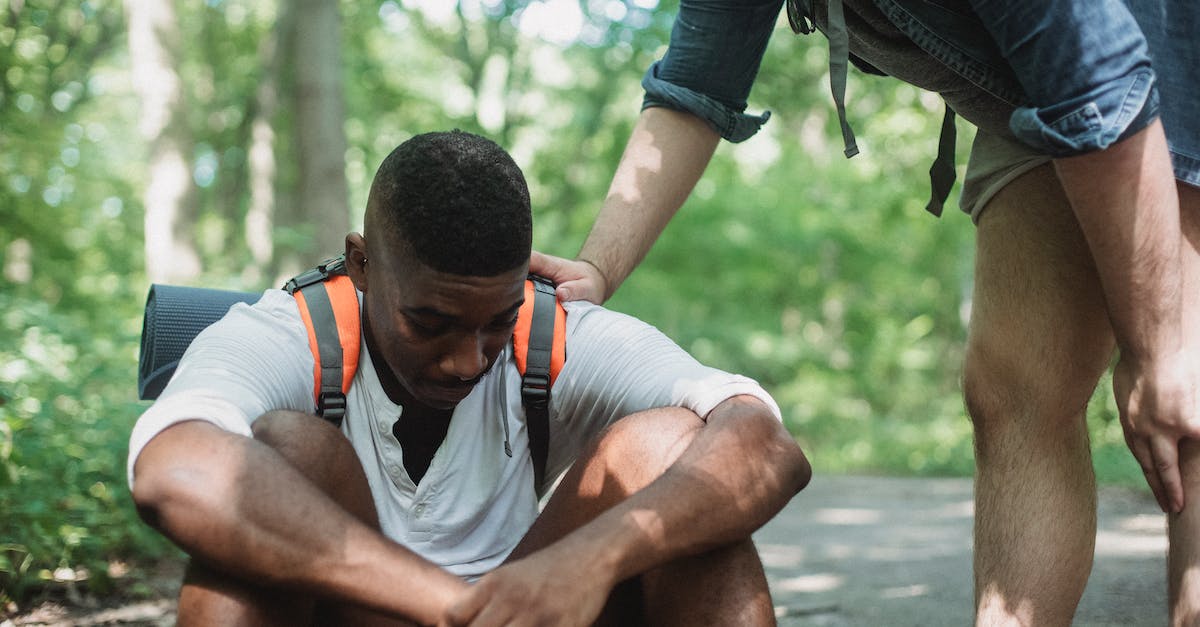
(431,291)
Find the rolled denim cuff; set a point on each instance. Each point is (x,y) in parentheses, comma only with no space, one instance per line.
(1092,122)
(732,124)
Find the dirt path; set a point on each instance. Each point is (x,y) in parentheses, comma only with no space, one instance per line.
(879,551)
(870,551)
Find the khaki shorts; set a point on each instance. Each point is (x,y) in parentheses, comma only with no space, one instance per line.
(995,161)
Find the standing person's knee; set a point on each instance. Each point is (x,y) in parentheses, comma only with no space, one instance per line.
(1006,384)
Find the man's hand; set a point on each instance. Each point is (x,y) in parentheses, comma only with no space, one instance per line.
(1157,404)
(533,591)
(577,280)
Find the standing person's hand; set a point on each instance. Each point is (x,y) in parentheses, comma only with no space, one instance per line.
(577,280)
(539,590)
(1157,404)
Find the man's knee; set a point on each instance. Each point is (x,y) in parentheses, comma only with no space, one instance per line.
(1007,386)
(283,428)
(321,453)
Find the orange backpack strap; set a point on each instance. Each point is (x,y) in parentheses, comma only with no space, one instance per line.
(329,309)
(539,346)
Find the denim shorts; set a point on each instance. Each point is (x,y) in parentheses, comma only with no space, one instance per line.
(997,158)
(1172,31)
(1041,81)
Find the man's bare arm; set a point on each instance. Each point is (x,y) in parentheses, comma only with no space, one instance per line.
(665,156)
(1126,202)
(741,468)
(236,504)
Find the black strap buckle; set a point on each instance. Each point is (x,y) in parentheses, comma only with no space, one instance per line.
(331,406)
(312,276)
(535,388)
(798,18)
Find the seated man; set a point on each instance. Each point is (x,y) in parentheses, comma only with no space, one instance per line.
(422,506)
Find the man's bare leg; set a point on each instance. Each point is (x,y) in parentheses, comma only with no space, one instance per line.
(1183,560)
(1039,340)
(324,456)
(726,586)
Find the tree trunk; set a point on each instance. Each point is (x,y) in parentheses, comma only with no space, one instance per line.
(262,168)
(170,195)
(318,114)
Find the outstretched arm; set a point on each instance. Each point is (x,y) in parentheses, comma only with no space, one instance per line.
(1126,202)
(239,506)
(737,471)
(665,156)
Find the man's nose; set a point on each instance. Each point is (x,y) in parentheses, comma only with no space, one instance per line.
(466,359)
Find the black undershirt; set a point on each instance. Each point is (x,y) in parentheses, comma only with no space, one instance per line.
(420,429)
(420,433)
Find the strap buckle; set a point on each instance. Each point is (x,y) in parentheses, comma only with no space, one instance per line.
(535,388)
(332,405)
(312,276)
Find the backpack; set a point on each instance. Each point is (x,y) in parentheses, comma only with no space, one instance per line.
(329,308)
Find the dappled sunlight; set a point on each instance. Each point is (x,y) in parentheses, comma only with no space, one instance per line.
(1133,536)
(905,592)
(847,516)
(823,582)
(1124,544)
(1143,523)
(781,555)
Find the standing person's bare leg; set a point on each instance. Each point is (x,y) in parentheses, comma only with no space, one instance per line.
(1183,560)
(1039,340)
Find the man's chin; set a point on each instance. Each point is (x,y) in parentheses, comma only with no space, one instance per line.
(444,398)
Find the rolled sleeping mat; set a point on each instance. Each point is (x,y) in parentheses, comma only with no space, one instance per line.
(174,316)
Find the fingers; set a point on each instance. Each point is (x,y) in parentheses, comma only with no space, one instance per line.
(1166,465)
(582,289)
(461,613)
(545,265)
(1140,448)
(1159,460)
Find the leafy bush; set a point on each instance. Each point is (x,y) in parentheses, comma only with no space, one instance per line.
(65,415)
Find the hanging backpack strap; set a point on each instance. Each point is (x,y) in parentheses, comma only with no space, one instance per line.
(329,309)
(539,345)
(941,173)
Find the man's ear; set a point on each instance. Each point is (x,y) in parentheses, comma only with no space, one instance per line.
(356,260)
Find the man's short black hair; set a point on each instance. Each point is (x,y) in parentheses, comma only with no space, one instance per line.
(457,199)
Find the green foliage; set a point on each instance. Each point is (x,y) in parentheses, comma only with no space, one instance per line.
(821,277)
(64,428)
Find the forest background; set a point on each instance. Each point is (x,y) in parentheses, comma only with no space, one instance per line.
(230,144)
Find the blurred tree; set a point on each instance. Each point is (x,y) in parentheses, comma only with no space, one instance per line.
(170,195)
(261,163)
(314,84)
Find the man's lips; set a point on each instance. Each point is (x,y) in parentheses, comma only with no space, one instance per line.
(452,391)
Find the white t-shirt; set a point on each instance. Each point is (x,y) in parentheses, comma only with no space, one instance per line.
(475,502)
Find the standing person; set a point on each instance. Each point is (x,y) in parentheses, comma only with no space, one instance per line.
(1082,182)
(428,483)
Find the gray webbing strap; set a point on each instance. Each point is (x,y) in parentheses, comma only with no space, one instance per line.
(331,402)
(941,173)
(839,61)
(535,383)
